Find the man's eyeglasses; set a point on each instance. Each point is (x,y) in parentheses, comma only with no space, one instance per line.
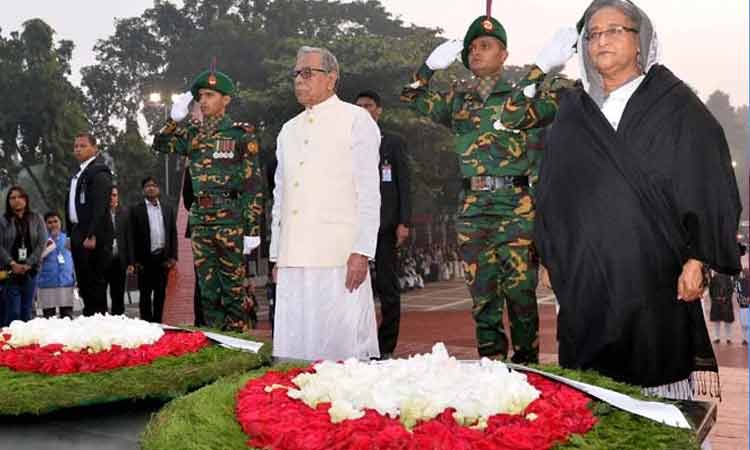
(306,73)
(612,32)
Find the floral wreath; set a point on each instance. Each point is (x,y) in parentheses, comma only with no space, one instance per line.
(39,374)
(274,420)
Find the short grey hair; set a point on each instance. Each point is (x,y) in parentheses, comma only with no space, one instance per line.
(627,8)
(327,60)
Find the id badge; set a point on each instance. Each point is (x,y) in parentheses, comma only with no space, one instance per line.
(22,254)
(386,174)
(82,197)
(60,258)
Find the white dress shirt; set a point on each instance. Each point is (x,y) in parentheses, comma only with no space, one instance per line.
(72,213)
(155,225)
(113,215)
(615,103)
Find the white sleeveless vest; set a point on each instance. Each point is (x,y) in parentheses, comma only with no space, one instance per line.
(318,212)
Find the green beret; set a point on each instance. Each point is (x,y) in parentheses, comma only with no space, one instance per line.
(482,26)
(217,81)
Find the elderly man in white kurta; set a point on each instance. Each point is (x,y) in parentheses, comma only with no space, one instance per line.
(326,215)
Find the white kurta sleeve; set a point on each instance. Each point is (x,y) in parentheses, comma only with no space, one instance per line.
(366,158)
(278,179)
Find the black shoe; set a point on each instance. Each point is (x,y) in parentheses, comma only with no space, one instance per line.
(717,341)
(524,358)
(729,341)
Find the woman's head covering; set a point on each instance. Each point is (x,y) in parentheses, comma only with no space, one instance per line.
(649,43)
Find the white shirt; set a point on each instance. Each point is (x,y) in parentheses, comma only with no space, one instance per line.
(113,215)
(155,225)
(72,213)
(615,103)
(367,185)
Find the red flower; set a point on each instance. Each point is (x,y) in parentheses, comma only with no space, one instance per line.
(275,421)
(52,360)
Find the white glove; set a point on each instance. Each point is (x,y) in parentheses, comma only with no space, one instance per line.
(530,91)
(444,55)
(559,50)
(249,243)
(180,106)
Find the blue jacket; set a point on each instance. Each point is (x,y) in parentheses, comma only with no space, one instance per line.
(53,274)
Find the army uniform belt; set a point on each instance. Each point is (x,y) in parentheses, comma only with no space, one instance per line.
(214,199)
(491,183)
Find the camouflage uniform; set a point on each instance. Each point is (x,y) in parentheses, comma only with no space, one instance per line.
(494,227)
(226,179)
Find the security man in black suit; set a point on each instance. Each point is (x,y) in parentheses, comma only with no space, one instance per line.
(152,242)
(116,272)
(395,216)
(89,224)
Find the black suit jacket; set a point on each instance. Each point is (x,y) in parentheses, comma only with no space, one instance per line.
(122,220)
(92,203)
(395,203)
(139,241)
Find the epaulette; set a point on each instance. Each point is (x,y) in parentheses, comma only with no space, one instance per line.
(247,127)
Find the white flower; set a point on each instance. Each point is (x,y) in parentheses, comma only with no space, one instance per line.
(94,334)
(416,389)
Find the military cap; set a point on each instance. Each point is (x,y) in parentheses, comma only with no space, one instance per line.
(482,26)
(214,80)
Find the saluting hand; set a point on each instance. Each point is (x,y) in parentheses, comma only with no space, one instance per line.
(559,50)
(356,271)
(444,55)
(180,105)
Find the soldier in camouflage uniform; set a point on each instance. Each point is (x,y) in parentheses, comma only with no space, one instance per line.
(227,184)
(494,124)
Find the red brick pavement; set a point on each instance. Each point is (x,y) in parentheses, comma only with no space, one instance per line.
(178,306)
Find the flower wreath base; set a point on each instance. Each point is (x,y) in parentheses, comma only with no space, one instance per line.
(164,378)
(53,360)
(206,419)
(274,420)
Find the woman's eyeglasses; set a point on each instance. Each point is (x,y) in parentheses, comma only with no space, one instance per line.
(611,32)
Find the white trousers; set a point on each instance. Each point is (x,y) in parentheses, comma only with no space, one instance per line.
(317,318)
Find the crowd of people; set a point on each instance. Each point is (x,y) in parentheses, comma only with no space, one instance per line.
(39,270)
(420,265)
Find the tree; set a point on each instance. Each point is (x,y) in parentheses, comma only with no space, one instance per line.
(256,41)
(133,160)
(38,130)
(735,125)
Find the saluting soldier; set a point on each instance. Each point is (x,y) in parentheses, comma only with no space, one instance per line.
(494,122)
(227,185)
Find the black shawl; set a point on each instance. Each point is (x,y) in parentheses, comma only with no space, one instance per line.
(619,212)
